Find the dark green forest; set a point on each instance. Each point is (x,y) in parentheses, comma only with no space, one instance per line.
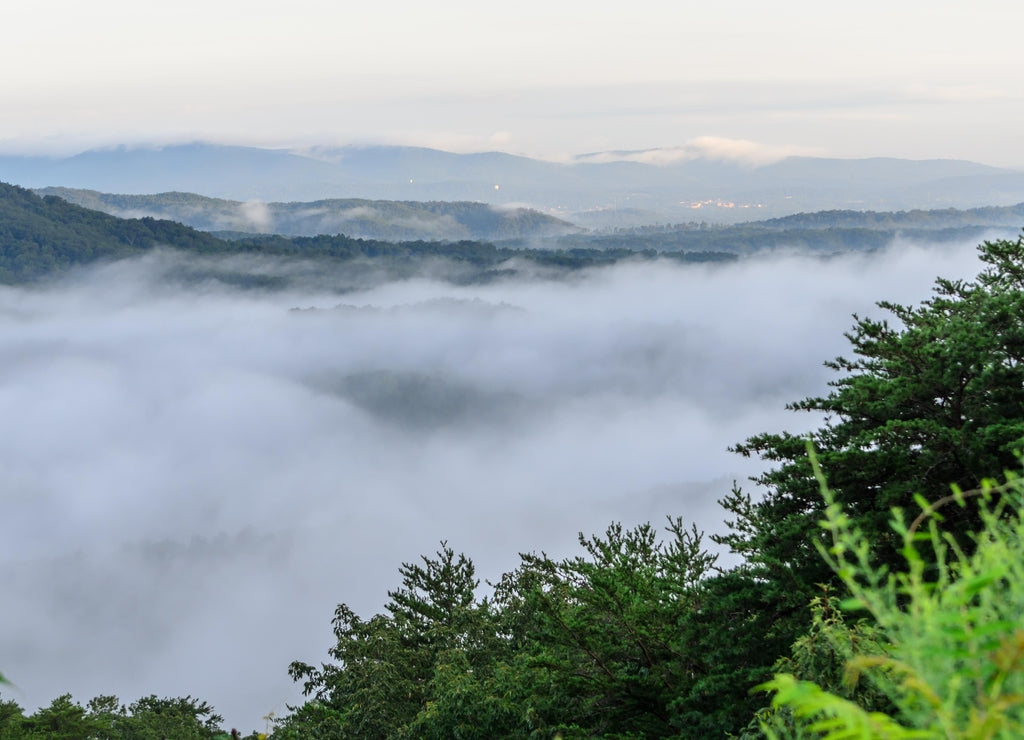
(643,634)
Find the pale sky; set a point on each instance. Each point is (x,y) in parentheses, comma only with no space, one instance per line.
(554,78)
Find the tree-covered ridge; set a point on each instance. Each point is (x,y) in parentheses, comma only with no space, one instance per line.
(917,219)
(357,217)
(39,236)
(826,231)
(756,236)
(44,236)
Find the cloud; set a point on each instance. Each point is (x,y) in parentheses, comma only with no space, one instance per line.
(194,476)
(500,139)
(257,215)
(741,151)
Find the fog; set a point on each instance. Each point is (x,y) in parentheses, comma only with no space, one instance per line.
(194,476)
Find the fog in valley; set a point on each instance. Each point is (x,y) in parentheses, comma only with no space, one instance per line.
(195,475)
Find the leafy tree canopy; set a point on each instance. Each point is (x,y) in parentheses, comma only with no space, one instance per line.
(934,398)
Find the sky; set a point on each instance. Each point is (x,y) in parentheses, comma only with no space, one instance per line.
(193,477)
(912,79)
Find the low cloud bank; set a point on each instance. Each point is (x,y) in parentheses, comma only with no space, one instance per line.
(741,151)
(193,477)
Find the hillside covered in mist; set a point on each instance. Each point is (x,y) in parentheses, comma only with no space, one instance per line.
(45,236)
(445,221)
(41,236)
(359,218)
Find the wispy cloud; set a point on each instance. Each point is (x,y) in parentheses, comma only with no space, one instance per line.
(256,214)
(742,151)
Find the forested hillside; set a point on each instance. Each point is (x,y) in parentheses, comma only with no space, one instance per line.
(43,236)
(915,220)
(825,232)
(356,217)
(48,235)
(39,236)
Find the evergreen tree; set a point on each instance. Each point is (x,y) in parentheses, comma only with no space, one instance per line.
(933,399)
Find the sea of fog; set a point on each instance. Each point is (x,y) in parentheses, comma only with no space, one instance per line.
(194,476)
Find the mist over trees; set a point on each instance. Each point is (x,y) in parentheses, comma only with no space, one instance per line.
(646,632)
(44,237)
(641,636)
(355,217)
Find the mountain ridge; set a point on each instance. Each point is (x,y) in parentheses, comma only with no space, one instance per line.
(584,192)
(355,217)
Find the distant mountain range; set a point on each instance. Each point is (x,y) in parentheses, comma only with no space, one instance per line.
(608,190)
(368,219)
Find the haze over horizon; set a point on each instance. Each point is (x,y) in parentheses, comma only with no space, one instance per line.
(742,79)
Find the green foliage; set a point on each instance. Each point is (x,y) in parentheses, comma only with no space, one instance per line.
(105,718)
(611,643)
(821,654)
(12,719)
(39,236)
(407,671)
(600,638)
(951,658)
(152,718)
(933,400)
(63,719)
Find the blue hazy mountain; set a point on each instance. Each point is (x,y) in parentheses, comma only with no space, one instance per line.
(604,189)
